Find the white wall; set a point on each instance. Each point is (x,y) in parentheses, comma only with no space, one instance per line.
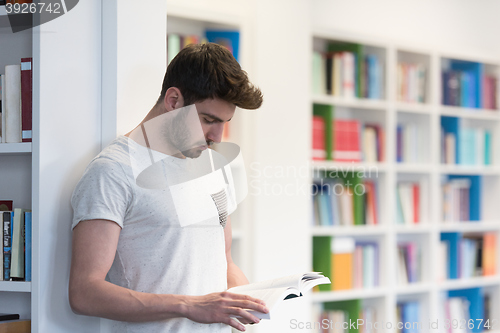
(460,26)
(67,91)
(134,62)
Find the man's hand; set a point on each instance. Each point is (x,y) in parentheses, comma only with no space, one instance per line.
(221,307)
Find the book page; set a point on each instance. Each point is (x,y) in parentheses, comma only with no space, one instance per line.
(287,281)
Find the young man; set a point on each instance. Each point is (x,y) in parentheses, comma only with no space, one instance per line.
(165,275)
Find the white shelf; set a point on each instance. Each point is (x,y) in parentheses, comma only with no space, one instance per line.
(472,169)
(15,148)
(348,166)
(413,168)
(360,230)
(480,281)
(413,228)
(357,103)
(15,286)
(342,295)
(469,226)
(461,112)
(413,288)
(414,108)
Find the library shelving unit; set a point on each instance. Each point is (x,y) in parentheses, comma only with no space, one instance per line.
(186,21)
(411,105)
(16,167)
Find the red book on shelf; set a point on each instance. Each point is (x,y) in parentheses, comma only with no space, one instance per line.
(6,205)
(26,99)
(371,203)
(416,203)
(318,139)
(489,254)
(346,146)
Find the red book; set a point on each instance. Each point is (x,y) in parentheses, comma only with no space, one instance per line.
(416,203)
(346,146)
(26,99)
(318,139)
(6,205)
(371,203)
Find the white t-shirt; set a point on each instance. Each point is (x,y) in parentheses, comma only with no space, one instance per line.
(155,254)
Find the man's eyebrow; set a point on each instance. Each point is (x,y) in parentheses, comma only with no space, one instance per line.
(214,117)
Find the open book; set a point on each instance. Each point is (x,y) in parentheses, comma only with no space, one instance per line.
(272,292)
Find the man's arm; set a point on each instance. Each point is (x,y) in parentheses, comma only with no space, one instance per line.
(94,247)
(235,277)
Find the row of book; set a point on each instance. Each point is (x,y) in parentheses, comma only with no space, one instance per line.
(409,147)
(337,319)
(411,83)
(347,74)
(409,263)
(464,145)
(465,256)
(467,311)
(456,200)
(351,141)
(462,88)
(408,203)
(15,262)
(345,202)
(473,147)
(16,103)
(227,38)
(348,263)
(408,317)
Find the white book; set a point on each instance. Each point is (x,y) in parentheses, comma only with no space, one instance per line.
(442,261)
(273,292)
(405,191)
(337,78)
(480,133)
(12,103)
(370,144)
(348,78)
(17,261)
(347,207)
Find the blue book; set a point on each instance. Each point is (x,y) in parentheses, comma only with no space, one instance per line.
(453,239)
(475,71)
(464,89)
(487,147)
(467,146)
(373,76)
(474,195)
(7,243)
(27,242)
(399,144)
(411,318)
(452,125)
(226,38)
(476,307)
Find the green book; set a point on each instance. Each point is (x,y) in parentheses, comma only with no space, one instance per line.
(352,309)
(357,50)
(326,111)
(487,147)
(322,258)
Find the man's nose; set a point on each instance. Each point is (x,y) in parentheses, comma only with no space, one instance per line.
(215,133)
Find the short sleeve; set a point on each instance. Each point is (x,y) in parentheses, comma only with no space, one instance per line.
(103,192)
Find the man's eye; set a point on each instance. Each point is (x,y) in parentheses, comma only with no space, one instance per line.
(208,121)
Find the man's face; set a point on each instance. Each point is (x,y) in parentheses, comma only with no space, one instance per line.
(213,114)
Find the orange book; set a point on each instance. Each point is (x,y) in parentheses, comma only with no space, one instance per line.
(342,263)
(18,326)
(489,257)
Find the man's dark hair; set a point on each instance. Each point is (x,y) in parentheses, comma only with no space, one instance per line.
(207,71)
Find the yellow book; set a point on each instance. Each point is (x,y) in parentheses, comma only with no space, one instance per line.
(342,262)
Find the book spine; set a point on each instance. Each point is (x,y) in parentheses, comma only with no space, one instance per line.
(7,244)
(13,103)
(26,99)
(27,241)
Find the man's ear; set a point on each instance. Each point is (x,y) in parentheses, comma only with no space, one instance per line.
(173,99)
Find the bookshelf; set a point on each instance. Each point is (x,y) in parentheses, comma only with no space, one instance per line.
(16,167)
(409,108)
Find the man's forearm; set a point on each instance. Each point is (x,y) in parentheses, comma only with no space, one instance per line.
(235,276)
(106,300)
